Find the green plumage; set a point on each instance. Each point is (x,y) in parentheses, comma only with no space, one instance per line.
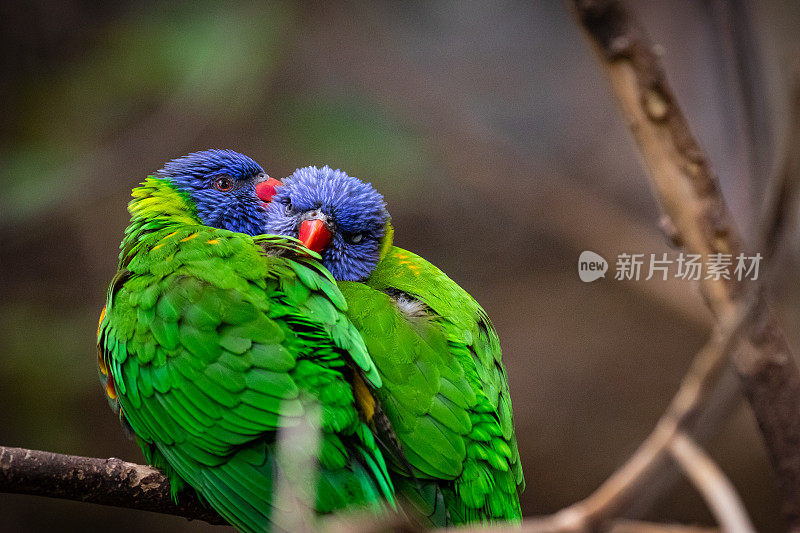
(445,391)
(212,340)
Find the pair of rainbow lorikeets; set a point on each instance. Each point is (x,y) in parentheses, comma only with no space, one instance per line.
(241,303)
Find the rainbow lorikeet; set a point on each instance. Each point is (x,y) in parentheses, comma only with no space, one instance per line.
(443,415)
(213,339)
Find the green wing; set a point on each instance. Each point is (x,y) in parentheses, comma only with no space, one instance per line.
(212,341)
(445,389)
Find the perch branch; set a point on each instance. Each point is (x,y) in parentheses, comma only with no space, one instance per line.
(689,196)
(104,481)
(119,483)
(718,491)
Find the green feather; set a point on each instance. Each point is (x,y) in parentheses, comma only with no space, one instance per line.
(215,340)
(445,390)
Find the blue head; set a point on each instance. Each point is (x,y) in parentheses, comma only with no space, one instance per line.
(222,185)
(337,215)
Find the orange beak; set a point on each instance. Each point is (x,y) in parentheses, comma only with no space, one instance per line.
(314,235)
(265,190)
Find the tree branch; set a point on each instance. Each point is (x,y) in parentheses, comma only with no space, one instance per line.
(122,484)
(689,196)
(718,491)
(104,481)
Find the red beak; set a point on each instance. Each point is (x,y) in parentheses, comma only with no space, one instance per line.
(314,235)
(265,190)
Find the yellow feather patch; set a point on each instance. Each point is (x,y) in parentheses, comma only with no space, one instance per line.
(213,241)
(363,397)
(388,239)
(189,238)
(100,322)
(405,260)
(110,390)
(101,364)
(170,235)
(157,246)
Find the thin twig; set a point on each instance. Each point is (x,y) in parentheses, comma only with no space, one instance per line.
(717,490)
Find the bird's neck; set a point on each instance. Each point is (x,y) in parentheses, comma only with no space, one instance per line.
(388,240)
(156,205)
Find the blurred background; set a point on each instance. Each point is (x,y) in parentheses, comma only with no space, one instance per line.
(491,132)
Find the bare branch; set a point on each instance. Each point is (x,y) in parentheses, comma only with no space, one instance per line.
(104,481)
(689,195)
(718,491)
(121,484)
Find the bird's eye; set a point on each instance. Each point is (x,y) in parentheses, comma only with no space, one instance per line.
(223,184)
(288,208)
(354,238)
